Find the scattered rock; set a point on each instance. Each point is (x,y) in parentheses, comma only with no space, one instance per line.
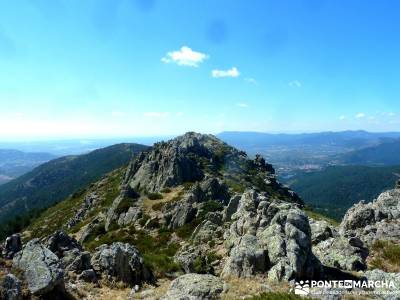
(88,276)
(12,245)
(10,288)
(90,201)
(42,268)
(195,286)
(121,261)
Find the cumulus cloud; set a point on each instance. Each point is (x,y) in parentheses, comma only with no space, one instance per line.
(242,104)
(185,57)
(156,114)
(295,84)
(360,115)
(232,72)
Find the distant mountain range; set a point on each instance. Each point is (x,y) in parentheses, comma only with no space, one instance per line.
(342,139)
(56,179)
(14,163)
(384,154)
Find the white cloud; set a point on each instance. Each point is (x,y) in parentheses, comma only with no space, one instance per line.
(391,114)
(242,104)
(117,113)
(295,84)
(185,57)
(250,80)
(179,114)
(342,118)
(360,115)
(156,114)
(232,72)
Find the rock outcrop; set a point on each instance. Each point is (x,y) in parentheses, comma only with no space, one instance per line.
(42,269)
(269,236)
(170,163)
(195,286)
(377,220)
(122,262)
(69,251)
(347,254)
(12,245)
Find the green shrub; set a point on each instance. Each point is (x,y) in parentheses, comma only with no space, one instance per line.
(144,219)
(154,196)
(166,190)
(210,206)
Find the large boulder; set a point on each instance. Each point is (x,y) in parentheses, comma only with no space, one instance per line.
(10,288)
(60,242)
(69,251)
(376,220)
(342,253)
(269,236)
(12,245)
(195,286)
(42,269)
(122,262)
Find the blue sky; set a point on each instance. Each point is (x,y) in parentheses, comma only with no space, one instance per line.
(101,68)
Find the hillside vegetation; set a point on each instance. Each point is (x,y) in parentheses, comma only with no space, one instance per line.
(57,179)
(334,189)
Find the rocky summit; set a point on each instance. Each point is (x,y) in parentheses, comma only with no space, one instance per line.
(192,218)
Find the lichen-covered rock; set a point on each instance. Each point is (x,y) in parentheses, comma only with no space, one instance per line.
(231,208)
(122,262)
(12,245)
(10,288)
(376,220)
(385,292)
(269,236)
(195,286)
(42,269)
(246,258)
(194,259)
(321,230)
(210,229)
(343,253)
